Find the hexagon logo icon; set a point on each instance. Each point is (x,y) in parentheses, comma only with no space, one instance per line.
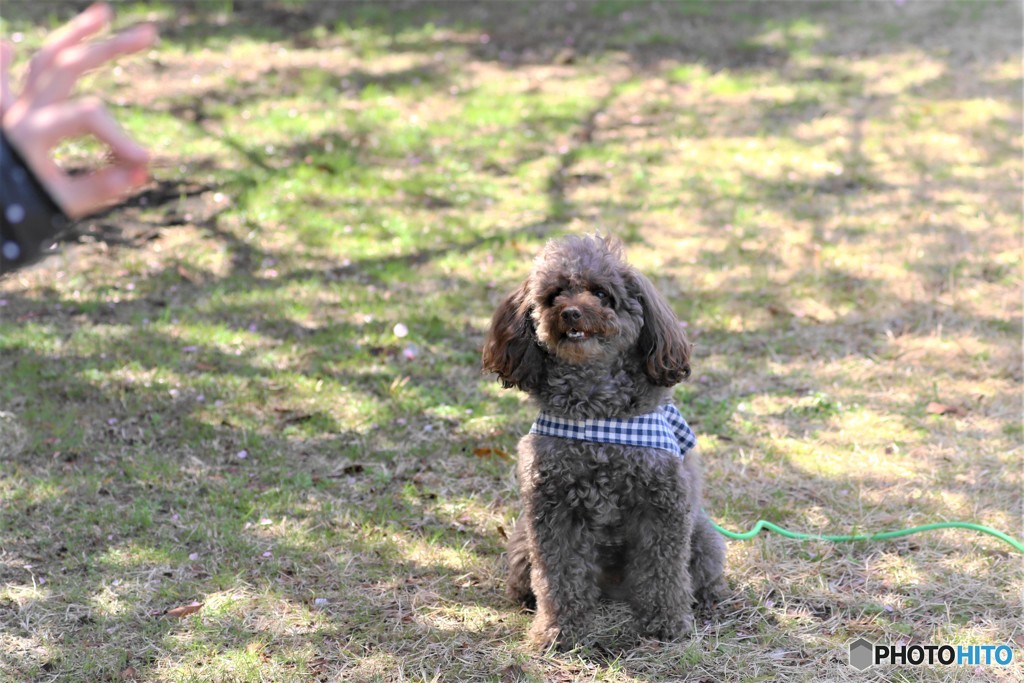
(860,654)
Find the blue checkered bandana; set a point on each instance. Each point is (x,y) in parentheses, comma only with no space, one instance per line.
(665,428)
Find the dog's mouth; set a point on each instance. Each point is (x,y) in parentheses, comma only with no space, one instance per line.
(576,335)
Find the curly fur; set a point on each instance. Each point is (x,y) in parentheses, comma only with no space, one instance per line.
(587,336)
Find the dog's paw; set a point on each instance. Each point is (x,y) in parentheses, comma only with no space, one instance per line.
(563,638)
(542,636)
(712,594)
(668,627)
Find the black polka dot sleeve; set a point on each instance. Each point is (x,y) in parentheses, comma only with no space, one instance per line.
(29,218)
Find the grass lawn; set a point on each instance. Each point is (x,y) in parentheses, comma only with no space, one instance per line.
(244,435)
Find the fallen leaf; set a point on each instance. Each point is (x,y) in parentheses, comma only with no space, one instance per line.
(497,452)
(945,409)
(184,610)
(290,416)
(502,532)
(128,674)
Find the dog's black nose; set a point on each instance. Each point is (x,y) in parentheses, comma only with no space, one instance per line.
(571,315)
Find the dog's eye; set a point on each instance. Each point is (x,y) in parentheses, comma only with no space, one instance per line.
(603,296)
(550,299)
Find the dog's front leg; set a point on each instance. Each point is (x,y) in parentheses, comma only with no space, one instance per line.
(563,571)
(657,573)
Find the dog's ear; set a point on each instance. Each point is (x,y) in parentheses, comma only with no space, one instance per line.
(662,344)
(511,349)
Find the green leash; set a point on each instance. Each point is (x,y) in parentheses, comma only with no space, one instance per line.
(882,536)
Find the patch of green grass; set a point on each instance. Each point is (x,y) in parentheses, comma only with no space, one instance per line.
(818,406)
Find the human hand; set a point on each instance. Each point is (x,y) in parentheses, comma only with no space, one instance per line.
(43,114)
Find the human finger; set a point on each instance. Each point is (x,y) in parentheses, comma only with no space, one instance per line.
(91,21)
(84,194)
(87,116)
(6,56)
(75,61)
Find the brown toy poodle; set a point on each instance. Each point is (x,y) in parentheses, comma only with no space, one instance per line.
(611,492)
